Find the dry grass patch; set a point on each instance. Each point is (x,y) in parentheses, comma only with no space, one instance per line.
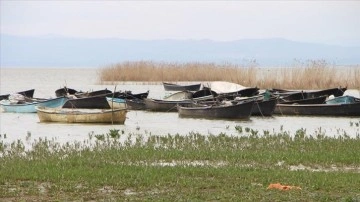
(311,75)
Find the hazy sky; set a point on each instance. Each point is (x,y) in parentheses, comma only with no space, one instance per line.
(329,22)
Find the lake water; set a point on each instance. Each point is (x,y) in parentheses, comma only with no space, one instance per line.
(46,81)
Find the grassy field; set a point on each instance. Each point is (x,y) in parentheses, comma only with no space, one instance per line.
(309,75)
(134,167)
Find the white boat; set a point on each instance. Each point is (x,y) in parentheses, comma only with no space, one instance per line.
(116,103)
(63,115)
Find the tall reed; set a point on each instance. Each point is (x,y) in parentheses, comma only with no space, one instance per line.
(314,74)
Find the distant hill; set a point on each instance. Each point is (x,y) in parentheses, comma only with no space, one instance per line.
(55,51)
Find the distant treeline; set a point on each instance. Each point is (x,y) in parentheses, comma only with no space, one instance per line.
(310,75)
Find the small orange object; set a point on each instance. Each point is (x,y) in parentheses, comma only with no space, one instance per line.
(282,187)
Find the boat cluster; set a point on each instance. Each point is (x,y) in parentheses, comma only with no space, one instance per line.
(213,100)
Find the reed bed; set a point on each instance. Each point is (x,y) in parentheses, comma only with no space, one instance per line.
(310,75)
(118,166)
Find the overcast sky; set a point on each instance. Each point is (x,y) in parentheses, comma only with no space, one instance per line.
(328,22)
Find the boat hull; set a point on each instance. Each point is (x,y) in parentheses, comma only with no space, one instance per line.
(94,102)
(31,107)
(235,111)
(116,103)
(175,87)
(264,107)
(26,93)
(65,92)
(163,105)
(319,109)
(81,116)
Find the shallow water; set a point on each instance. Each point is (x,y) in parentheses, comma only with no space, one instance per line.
(46,81)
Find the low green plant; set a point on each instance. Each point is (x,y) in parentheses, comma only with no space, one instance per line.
(194,167)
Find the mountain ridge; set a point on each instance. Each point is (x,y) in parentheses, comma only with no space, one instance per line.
(50,51)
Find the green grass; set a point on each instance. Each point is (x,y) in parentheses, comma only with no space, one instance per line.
(184,168)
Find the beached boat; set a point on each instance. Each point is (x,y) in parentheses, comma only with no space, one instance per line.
(26,93)
(240,110)
(29,105)
(338,109)
(116,103)
(112,116)
(177,87)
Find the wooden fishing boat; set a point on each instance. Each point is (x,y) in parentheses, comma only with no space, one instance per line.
(29,106)
(246,92)
(115,116)
(204,95)
(164,105)
(116,103)
(130,95)
(305,94)
(134,101)
(26,93)
(135,104)
(264,104)
(315,100)
(240,110)
(179,96)
(105,92)
(331,91)
(65,91)
(338,109)
(177,87)
(168,103)
(228,90)
(347,99)
(264,107)
(93,102)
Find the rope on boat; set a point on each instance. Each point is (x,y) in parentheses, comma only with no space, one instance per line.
(259,109)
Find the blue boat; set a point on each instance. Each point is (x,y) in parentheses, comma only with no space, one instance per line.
(30,107)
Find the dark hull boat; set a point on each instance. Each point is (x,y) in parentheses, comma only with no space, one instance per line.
(297,95)
(94,102)
(246,92)
(240,110)
(135,101)
(316,100)
(130,95)
(176,87)
(65,92)
(135,104)
(264,107)
(163,105)
(26,93)
(327,92)
(352,109)
(104,92)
